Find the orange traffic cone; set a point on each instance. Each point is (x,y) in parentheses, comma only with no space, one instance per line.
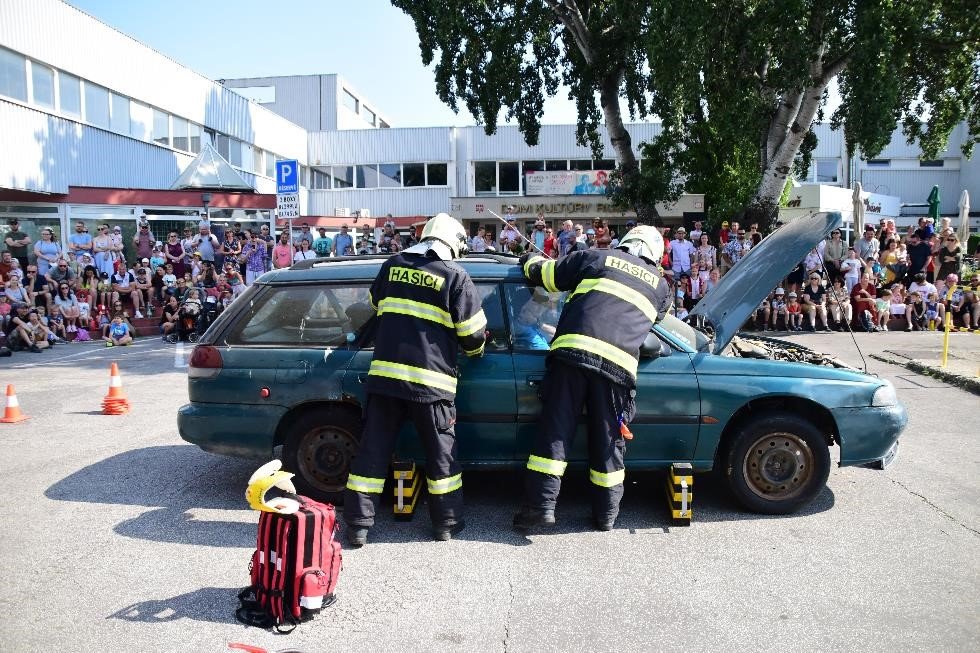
(12,414)
(115,402)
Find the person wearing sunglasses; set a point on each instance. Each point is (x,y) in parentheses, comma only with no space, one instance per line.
(104,250)
(834,253)
(815,302)
(46,251)
(60,273)
(950,258)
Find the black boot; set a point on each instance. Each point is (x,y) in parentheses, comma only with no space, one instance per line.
(529,518)
(357,536)
(445,532)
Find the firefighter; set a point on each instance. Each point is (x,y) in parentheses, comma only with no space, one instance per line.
(427,307)
(616,296)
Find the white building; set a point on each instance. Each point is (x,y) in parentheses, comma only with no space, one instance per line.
(83,140)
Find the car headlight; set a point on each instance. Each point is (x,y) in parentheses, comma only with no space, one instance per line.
(884,396)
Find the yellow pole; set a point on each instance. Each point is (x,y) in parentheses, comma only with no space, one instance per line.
(948,321)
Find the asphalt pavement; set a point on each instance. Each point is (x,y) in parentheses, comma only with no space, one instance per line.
(118,536)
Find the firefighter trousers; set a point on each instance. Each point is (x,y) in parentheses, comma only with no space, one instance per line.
(565,389)
(434,422)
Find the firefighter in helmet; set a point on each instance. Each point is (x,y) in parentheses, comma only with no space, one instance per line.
(427,307)
(615,296)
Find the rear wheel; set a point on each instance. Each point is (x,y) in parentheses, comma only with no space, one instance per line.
(319,449)
(777,464)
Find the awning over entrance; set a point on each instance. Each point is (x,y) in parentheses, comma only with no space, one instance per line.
(210,171)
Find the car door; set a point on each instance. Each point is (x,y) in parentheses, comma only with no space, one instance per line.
(665,427)
(485,398)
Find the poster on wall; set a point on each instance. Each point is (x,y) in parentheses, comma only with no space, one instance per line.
(571,182)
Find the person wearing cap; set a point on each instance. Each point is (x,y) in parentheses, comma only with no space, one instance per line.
(779,308)
(20,334)
(17,242)
(342,241)
(538,236)
(510,233)
(206,243)
(681,253)
(144,239)
(696,232)
(323,243)
(724,233)
(794,311)
(590,241)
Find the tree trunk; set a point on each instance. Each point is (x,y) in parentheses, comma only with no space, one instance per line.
(622,142)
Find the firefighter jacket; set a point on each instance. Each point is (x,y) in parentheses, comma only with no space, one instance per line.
(615,298)
(426,309)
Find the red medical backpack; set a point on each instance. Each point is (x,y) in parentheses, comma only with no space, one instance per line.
(294,568)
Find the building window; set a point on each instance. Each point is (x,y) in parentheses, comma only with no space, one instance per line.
(194,136)
(390,175)
(140,120)
(826,172)
(438,174)
(580,164)
(70,94)
(510,177)
(879,163)
(485,174)
(343,176)
(561,164)
(532,166)
(258,163)
(367,176)
(350,101)
(930,163)
(604,164)
(221,145)
(96,105)
(161,127)
(319,180)
(413,175)
(13,75)
(270,165)
(180,134)
(369,116)
(235,152)
(42,85)
(119,120)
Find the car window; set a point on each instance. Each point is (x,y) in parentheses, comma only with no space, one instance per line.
(533,316)
(309,316)
(682,332)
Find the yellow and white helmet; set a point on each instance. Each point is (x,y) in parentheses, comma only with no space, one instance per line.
(644,241)
(447,230)
(268,476)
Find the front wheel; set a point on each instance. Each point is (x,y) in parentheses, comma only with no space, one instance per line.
(319,449)
(777,464)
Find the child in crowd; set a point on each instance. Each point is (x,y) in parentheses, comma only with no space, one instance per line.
(932,311)
(118,333)
(762,313)
(4,310)
(169,279)
(101,320)
(156,257)
(193,305)
(882,303)
(103,288)
(839,304)
(851,269)
(679,311)
(916,313)
(779,308)
(794,314)
(56,323)
(226,298)
(40,334)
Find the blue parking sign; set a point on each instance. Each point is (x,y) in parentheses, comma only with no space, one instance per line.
(287,176)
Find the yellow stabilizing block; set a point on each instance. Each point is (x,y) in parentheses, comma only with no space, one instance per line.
(408,486)
(680,493)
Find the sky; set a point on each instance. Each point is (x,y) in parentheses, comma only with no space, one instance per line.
(369,42)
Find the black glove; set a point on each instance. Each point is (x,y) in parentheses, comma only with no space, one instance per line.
(523,259)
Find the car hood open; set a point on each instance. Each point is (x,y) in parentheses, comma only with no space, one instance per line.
(743,288)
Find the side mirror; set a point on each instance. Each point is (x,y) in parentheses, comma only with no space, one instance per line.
(654,347)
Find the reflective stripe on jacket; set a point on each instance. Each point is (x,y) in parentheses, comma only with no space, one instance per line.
(426,309)
(615,298)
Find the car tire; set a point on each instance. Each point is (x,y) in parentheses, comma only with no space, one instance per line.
(777,463)
(319,449)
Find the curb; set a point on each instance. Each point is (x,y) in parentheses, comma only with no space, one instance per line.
(966,383)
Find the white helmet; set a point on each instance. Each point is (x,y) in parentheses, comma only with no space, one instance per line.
(448,230)
(644,241)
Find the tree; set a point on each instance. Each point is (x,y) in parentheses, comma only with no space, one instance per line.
(736,83)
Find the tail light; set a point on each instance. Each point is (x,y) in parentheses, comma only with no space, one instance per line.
(205,362)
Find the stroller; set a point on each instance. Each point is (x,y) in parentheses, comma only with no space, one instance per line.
(188,322)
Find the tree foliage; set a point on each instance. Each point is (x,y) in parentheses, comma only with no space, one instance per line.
(737,84)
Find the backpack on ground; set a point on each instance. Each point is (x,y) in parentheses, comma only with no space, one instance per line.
(294,567)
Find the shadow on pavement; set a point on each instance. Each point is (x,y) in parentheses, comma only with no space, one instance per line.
(178,480)
(206,604)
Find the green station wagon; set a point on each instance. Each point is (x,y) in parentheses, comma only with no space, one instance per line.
(285,365)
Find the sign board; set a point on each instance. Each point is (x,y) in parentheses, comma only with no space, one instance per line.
(287,176)
(566,182)
(575,208)
(287,205)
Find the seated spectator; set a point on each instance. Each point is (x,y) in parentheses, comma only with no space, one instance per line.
(18,293)
(5,310)
(794,311)
(813,262)
(233,278)
(762,313)
(60,272)
(68,306)
(964,307)
(897,306)
(39,287)
(124,288)
(779,308)
(20,334)
(42,336)
(815,302)
(915,313)
(922,286)
(935,311)
(104,288)
(839,304)
(144,286)
(118,333)
(56,324)
(882,304)
(863,306)
(169,316)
